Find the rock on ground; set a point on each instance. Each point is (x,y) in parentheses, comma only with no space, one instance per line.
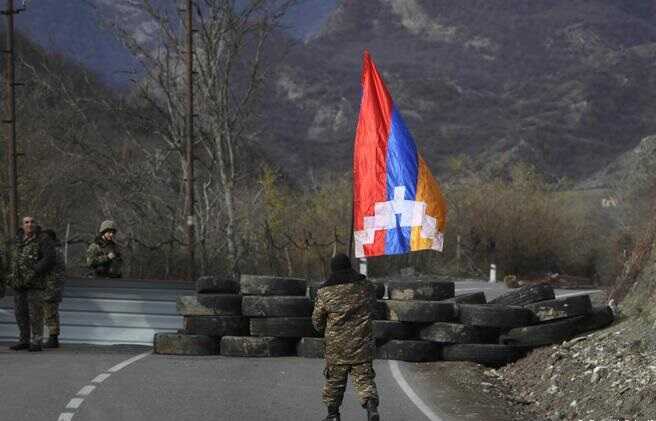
(605,375)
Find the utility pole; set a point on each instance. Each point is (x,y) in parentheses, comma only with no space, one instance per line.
(189,182)
(10,117)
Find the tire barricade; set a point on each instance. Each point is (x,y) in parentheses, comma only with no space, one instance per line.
(267,316)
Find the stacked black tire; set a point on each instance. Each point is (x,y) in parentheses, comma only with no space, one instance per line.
(512,324)
(554,320)
(213,313)
(279,313)
(467,328)
(265,316)
(257,316)
(410,307)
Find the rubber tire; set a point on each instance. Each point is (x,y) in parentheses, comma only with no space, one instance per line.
(561,308)
(454,333)
(181,344)
(487,354)
(488,315)
(314,289)
(599,318)
(249,346)
(388,329)
(526,295)
(412,351)
(216,326)
(217,285)
(543,334)
(469,298)
(259,306)
(380,290)
(209,305)
(380,310)
(420,290)
(419,311)
(271,285)
(282,327)
(311,348)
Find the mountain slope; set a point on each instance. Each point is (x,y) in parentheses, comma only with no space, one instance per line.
(568,80)
(78,29)
(564,84)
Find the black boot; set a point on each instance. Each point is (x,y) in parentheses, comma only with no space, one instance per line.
(20,346)
(35,347)
(52,342)
(333,414)
(372,410)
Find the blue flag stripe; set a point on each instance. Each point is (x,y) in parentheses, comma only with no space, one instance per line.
(402,170)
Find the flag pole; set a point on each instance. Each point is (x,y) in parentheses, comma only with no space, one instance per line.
(362,262)
(351,234)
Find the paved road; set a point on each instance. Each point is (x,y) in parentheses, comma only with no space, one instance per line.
(94,383)
(85,382)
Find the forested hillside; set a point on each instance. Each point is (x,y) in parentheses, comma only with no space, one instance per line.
(504,98)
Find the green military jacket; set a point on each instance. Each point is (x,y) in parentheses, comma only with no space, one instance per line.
(56,278)
(98,258)
(344,314)
(3,282)
(29,261)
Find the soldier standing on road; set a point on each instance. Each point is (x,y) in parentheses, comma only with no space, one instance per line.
(103,254)
(53,293)
(343,312)
(3,282)
(31,256)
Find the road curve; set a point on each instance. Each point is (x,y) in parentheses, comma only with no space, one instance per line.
(176,388)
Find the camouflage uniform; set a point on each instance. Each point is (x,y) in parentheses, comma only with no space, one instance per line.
(29,260)
(3,282)
(53,293)
(343,313)
(98,254)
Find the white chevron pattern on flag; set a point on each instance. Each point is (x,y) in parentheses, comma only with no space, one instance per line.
(412,214)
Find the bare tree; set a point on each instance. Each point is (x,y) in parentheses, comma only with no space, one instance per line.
(231,68)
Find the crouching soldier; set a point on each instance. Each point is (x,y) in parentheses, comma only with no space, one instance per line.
(31,257)
(54,291)
(103,254)
(343,312)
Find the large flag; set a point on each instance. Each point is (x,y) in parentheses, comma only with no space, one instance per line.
(397,204)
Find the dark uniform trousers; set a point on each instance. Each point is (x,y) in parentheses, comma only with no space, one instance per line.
(51,314)
(362,376)
(28,308)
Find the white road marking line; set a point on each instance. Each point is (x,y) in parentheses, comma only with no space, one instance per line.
(100,378)
(86,390)
(468,289)
(126,363)
(74,403)
(398,376)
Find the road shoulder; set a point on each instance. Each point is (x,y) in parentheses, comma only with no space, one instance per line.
(460,390)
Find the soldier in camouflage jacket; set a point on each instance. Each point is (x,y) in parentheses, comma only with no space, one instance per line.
(343,312)
(3,282)
(30,258)
(103,254)
(53,293)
